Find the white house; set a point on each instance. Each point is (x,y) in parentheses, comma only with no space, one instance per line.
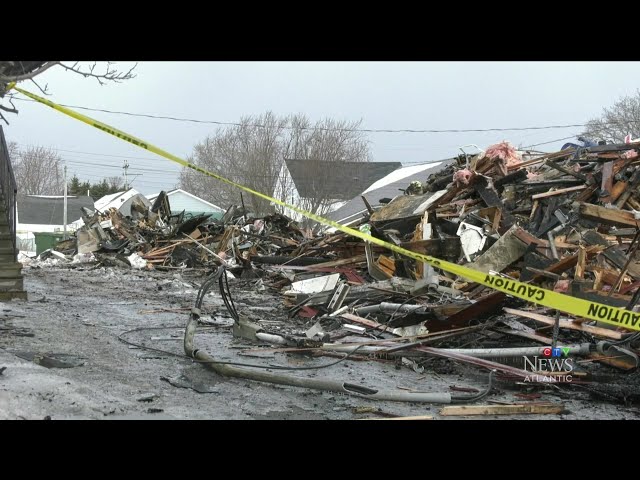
(387,187)
(120,201)
(45,213)
(321,186)
(181,200)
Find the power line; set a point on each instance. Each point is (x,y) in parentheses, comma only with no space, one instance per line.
(550,141)
(156,181)
(106,165)
(364,130)
(156,173)
(90,153)
(80,171)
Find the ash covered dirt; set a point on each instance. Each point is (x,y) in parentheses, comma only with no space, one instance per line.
(74,316)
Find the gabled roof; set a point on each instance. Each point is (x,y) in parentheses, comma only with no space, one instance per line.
(153,196)
(387,187)
(114,200)
(336,180)
(49,210)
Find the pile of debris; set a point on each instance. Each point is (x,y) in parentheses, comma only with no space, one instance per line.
(149,236)
(565,221)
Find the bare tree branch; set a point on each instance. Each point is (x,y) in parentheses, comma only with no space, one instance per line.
(44,91)
(13,109)
(253,152)
(617,121)
(7,109)
(110,74)
(8,77)
(12,71)
(38,170)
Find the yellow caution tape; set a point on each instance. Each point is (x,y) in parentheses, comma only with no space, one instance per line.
(574,306)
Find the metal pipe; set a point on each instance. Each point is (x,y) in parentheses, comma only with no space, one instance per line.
(386,307)
(574,350)
(314,383)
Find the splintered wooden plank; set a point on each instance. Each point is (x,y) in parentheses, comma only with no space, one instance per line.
(597,282)
(417,236)
(607,182)
(610,216)
(613,253)
(527,238)
(367,204)
(618,189)
(444,248)
(339,263)
(586,194)
(566,171)
(605,276)
(464,316)
(387,263)
(363,321)
(417,417)
(490,196)
(196,233)
(582,256)
(389,273)
(561,191)
(534,208)
(496,220)
(539,409)
(602,332)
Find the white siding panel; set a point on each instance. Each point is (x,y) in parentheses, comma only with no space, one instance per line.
(179,201)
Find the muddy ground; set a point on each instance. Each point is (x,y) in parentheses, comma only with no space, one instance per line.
(74,316)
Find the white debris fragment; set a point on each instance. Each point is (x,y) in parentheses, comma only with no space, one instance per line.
(61,256)
(314,285)
(26,259)
(49,262)
(137,261)
(83,258)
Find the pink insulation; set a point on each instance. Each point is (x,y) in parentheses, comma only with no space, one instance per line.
(462,177)
(562,286)
(505,152)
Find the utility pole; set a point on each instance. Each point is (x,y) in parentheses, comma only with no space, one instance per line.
(65,203)
(125,168)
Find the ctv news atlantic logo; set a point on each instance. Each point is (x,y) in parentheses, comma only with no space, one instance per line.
(554,366)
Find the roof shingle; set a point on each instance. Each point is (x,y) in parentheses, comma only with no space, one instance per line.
(50,211)
(336,180)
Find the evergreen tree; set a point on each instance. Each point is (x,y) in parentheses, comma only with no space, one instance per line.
(74,187)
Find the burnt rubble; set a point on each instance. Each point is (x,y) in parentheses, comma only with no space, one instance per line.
(566,221)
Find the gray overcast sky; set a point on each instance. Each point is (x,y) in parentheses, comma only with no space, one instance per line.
(385,95)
